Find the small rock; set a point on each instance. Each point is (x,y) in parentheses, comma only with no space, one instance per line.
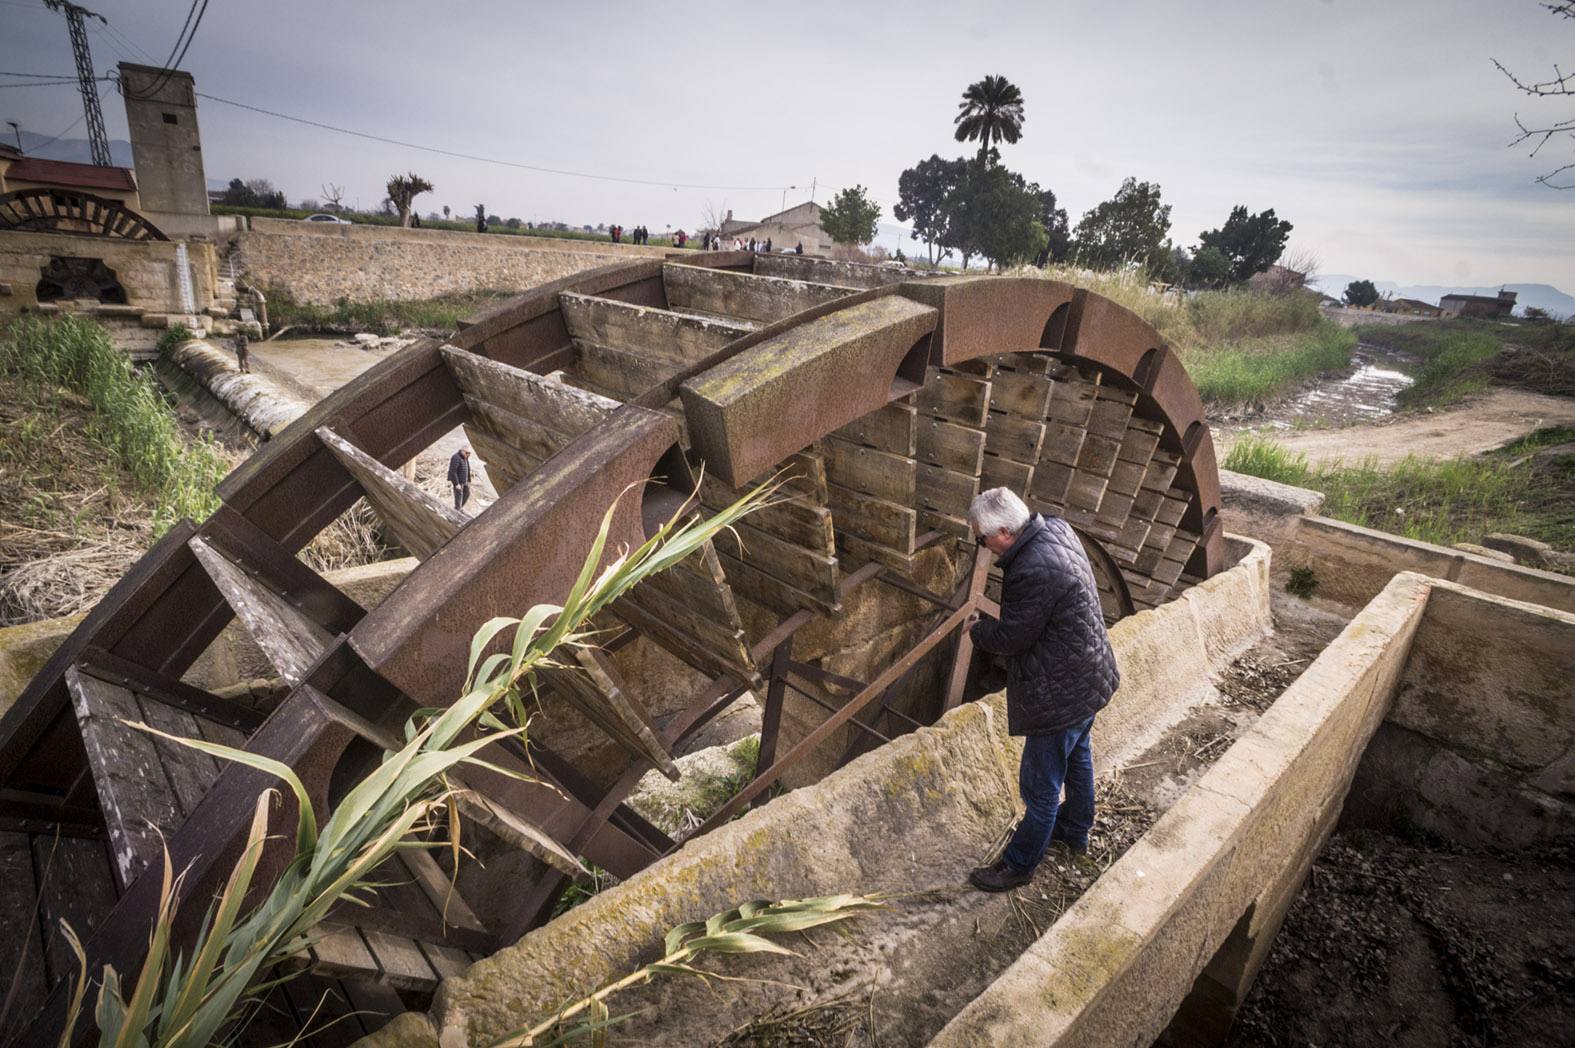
(1483,551)
(367,339)
(1524,550)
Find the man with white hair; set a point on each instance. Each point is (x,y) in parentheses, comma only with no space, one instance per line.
(1060,673)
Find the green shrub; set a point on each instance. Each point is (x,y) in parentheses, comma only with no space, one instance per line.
(131,417)
(1255,370)
(1449,501)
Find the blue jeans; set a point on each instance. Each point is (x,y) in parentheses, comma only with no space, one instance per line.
(1049,762)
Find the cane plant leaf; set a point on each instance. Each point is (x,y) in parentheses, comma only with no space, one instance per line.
(676,937)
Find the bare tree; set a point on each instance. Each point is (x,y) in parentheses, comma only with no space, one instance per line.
(1562,84)
(334,195)
(1301,261)
(403,190)
(711,218)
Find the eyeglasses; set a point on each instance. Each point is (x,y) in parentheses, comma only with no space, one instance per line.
(978,540)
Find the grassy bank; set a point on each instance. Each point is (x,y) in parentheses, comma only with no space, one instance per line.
(1241,347)
(131,419)
(93,466)
(385,317)
(1460,500)
(1456,357)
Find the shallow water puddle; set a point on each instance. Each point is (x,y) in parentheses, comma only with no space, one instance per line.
(1367,394)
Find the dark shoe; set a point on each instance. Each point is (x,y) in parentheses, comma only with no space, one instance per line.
(1001,877)
(1074,847)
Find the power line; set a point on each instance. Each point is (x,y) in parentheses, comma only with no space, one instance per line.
(188,31)
(484,159)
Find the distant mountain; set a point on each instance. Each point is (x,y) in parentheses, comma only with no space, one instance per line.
(1543,296)
(74,150)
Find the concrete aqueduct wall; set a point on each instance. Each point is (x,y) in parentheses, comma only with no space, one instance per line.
(320,263)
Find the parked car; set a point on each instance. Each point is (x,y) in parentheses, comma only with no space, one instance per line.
(321,217)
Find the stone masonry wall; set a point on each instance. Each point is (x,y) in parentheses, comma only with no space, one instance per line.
(319,263)
(145,268)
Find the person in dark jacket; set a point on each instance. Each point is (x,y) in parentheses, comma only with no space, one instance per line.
(459,476)
(1060,672)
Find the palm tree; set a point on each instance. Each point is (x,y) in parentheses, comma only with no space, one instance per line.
(991,111)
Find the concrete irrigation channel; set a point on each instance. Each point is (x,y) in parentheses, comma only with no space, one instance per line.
(907,820)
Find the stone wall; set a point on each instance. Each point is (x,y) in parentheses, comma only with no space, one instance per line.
(1351,564)
(319,263)
(1480,745)
(145,268)
(1197,900)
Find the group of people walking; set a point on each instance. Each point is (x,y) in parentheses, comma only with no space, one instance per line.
(716,242)
(637,235)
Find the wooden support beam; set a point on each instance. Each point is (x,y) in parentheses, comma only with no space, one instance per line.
(291,640)
(418,520)
(978,575)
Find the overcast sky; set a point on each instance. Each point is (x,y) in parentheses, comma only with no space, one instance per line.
(1378,128)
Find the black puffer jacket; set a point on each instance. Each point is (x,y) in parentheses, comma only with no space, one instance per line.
(1060,669)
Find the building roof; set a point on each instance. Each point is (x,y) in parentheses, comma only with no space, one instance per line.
(77,176)
(9,152)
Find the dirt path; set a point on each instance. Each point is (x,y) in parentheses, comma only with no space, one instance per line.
(1479,424)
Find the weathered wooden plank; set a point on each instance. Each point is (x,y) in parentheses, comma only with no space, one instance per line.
(420,522)
(1098,455)
(376,1002)
(1109,415)
(533,444)
(76,885)
(133,791)
(1063,443)
(338,949)
(1052,480)
(854,550)
(506,466)
(1126,477)
(957,527)
(1008,436)
(890,428)
(1086,491)
(441,891)
(806,569)
(1004,473)
(21,949)
(699,584)
(946,491)
(403,964)
(448,961)
(292,642)
(645,331)
(1020,393)
(1138,444)
(555,406)
(720,632)
(872,519)
(592,687)
(519,833)
(956,397)
(1071,402)
(708,646)
(623,373)
(793,520)
(1161,471)
(771,592)
(877,473)
(190,771)
(732,294)
(951,446)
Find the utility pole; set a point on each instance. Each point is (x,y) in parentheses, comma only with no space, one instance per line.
(98,138)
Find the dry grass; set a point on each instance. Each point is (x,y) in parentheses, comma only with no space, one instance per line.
(71,520)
